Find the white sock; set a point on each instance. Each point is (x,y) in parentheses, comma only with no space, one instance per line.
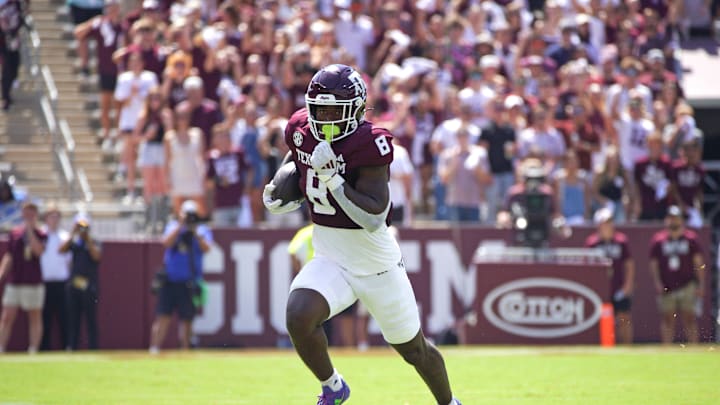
(334,382)
(453,402)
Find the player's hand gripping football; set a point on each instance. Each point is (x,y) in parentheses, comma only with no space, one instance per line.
(276,206)
(324,162)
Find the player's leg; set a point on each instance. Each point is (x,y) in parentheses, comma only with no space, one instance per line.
(686,310)
(361,327)
(624,327)
(428,362)
(306,311)
(317,293)
(668,311)
(186,312)
(390,299)
(623,320)
(346,326)
(33,299)
(166,304)
(35,329)
(7,319)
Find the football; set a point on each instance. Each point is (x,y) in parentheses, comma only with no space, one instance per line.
(287,183)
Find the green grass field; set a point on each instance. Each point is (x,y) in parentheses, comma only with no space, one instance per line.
(479,375)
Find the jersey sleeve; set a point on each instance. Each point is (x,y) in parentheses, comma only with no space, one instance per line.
(625,250)
(296,121)
(375,150)
(655,249)
(695,247)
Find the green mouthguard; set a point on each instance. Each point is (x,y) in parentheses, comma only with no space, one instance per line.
(330,131)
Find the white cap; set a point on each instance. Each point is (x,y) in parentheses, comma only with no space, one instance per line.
(189,206)
(514,100)
(193,82)
(150,4)
(603,215)
(466,96)
(489,61)
(656,55)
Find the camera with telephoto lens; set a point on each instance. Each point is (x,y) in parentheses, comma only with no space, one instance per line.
(83,227)
(532,213)
(192,218)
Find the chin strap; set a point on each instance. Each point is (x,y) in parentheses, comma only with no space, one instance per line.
(369,222)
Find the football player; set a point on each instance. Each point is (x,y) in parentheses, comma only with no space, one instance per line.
(343,162)
(615,246)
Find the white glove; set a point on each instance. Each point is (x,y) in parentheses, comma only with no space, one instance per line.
(324,162)
(661,189)
(276,206)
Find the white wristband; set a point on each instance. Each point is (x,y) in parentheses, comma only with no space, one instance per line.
(334,182)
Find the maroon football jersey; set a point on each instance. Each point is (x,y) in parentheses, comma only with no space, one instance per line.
(25,267)
(616,249)
(367,146)
(648,174)
(228,171)
(674,257)
(688,179)
(108,36)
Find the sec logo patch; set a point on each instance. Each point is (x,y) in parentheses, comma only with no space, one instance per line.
(297,138)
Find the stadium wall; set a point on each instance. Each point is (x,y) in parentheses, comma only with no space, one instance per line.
(248,274)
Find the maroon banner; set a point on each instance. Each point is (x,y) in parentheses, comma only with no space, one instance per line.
(248,274)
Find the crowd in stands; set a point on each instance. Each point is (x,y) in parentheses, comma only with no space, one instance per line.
(468,88)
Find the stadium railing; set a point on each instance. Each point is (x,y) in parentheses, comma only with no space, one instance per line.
(76,186)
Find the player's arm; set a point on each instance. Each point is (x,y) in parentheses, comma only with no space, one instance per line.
(5,264)
(368,202)
(699,268)
(629,284)
(655,274)
(278,206)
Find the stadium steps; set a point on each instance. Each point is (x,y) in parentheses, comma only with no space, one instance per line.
(25,145)
(79,97)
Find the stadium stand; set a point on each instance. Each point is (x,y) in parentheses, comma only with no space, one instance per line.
(262,53)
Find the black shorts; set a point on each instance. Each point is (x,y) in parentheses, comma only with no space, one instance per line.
(622,305)
(397,214)
(175,296)
(107,82)
(80,15)
(349,310)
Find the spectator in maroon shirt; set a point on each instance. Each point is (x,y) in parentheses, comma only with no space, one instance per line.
(677,269)
(143,38)
(107,31)
(205,112)
(581,135)
(614,245)
(654,34)
(227,178)
(687,181)
(652,181)
(25,289)
(656,75)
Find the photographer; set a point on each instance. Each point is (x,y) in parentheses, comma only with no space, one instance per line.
(530,209)
(82,289)
(185,242)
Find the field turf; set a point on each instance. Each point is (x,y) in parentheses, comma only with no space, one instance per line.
(479,375)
